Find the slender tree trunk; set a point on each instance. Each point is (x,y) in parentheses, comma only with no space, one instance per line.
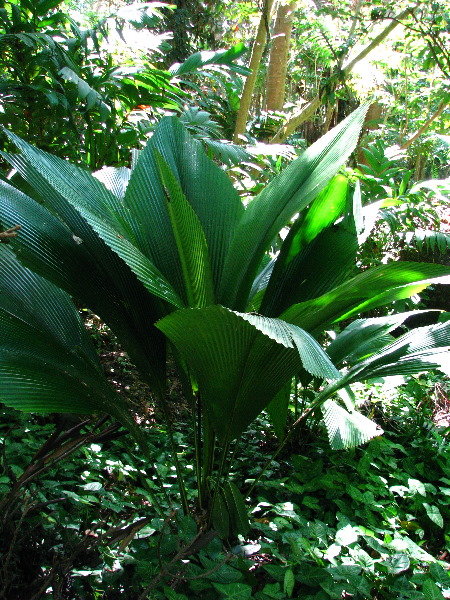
(330,113)
(279,53)
(442,106)
(304,115)
(309,110)
(255,59)
(371,123)
(377,40)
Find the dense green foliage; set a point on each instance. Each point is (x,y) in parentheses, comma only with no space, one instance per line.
(370,521)
(251,294)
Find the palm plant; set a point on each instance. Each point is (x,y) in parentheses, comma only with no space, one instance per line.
(172,261)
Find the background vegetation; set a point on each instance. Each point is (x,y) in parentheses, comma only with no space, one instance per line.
(242,394)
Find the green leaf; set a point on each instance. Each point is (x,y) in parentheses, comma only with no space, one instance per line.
(440,575)
(346,536)
(227,153)
(237,509)
(251,359)
(234,591)
(312,575)
(205,186)
(364,337)
(47,362)
(431,591)
(417,487)
(314,359)
(397,563)
(202,59)
(324,211)
(278,410)
(85,91)
(220,516)
(289,582)
(370,289)
(347,429)
(434,514)
(290,192)
(170,594)
(314,257)
(60,245)
(190,240)
(422,349)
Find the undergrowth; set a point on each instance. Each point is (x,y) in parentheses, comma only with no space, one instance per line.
(364,523)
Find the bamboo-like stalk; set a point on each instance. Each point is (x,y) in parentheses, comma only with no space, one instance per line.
(308,111)
(255,60)
(278,58)
(437,113)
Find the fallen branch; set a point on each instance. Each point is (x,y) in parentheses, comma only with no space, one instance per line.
(6,235)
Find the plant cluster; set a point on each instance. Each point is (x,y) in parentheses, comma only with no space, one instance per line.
(363,523)
(250,302)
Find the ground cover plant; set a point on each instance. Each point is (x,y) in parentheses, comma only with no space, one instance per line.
(362,523)
(176,265)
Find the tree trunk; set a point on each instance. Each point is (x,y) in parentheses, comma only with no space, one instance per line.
(304,115)
(309,110)
(279,53)
(371,123)
(442,106)
(255,59)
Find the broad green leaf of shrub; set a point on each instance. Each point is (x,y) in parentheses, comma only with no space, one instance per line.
(434,514)
(234,591)
(397,563)
(312,575)
(431,591)
(346,536)
(416,487)
(289,582)
(440,575)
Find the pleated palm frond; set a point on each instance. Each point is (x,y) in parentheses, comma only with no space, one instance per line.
(347,429)
(289,193)
(59,245)
(372,288)
(241,361)
(170,243)
(423,349)
(364,337)
(47,360)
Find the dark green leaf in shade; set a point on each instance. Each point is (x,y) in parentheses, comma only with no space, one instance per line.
(237,509)
(221,516)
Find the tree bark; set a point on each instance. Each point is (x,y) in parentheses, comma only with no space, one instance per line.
(437,113)
(309,110)
(304,115)
(278,58)
(255,59)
